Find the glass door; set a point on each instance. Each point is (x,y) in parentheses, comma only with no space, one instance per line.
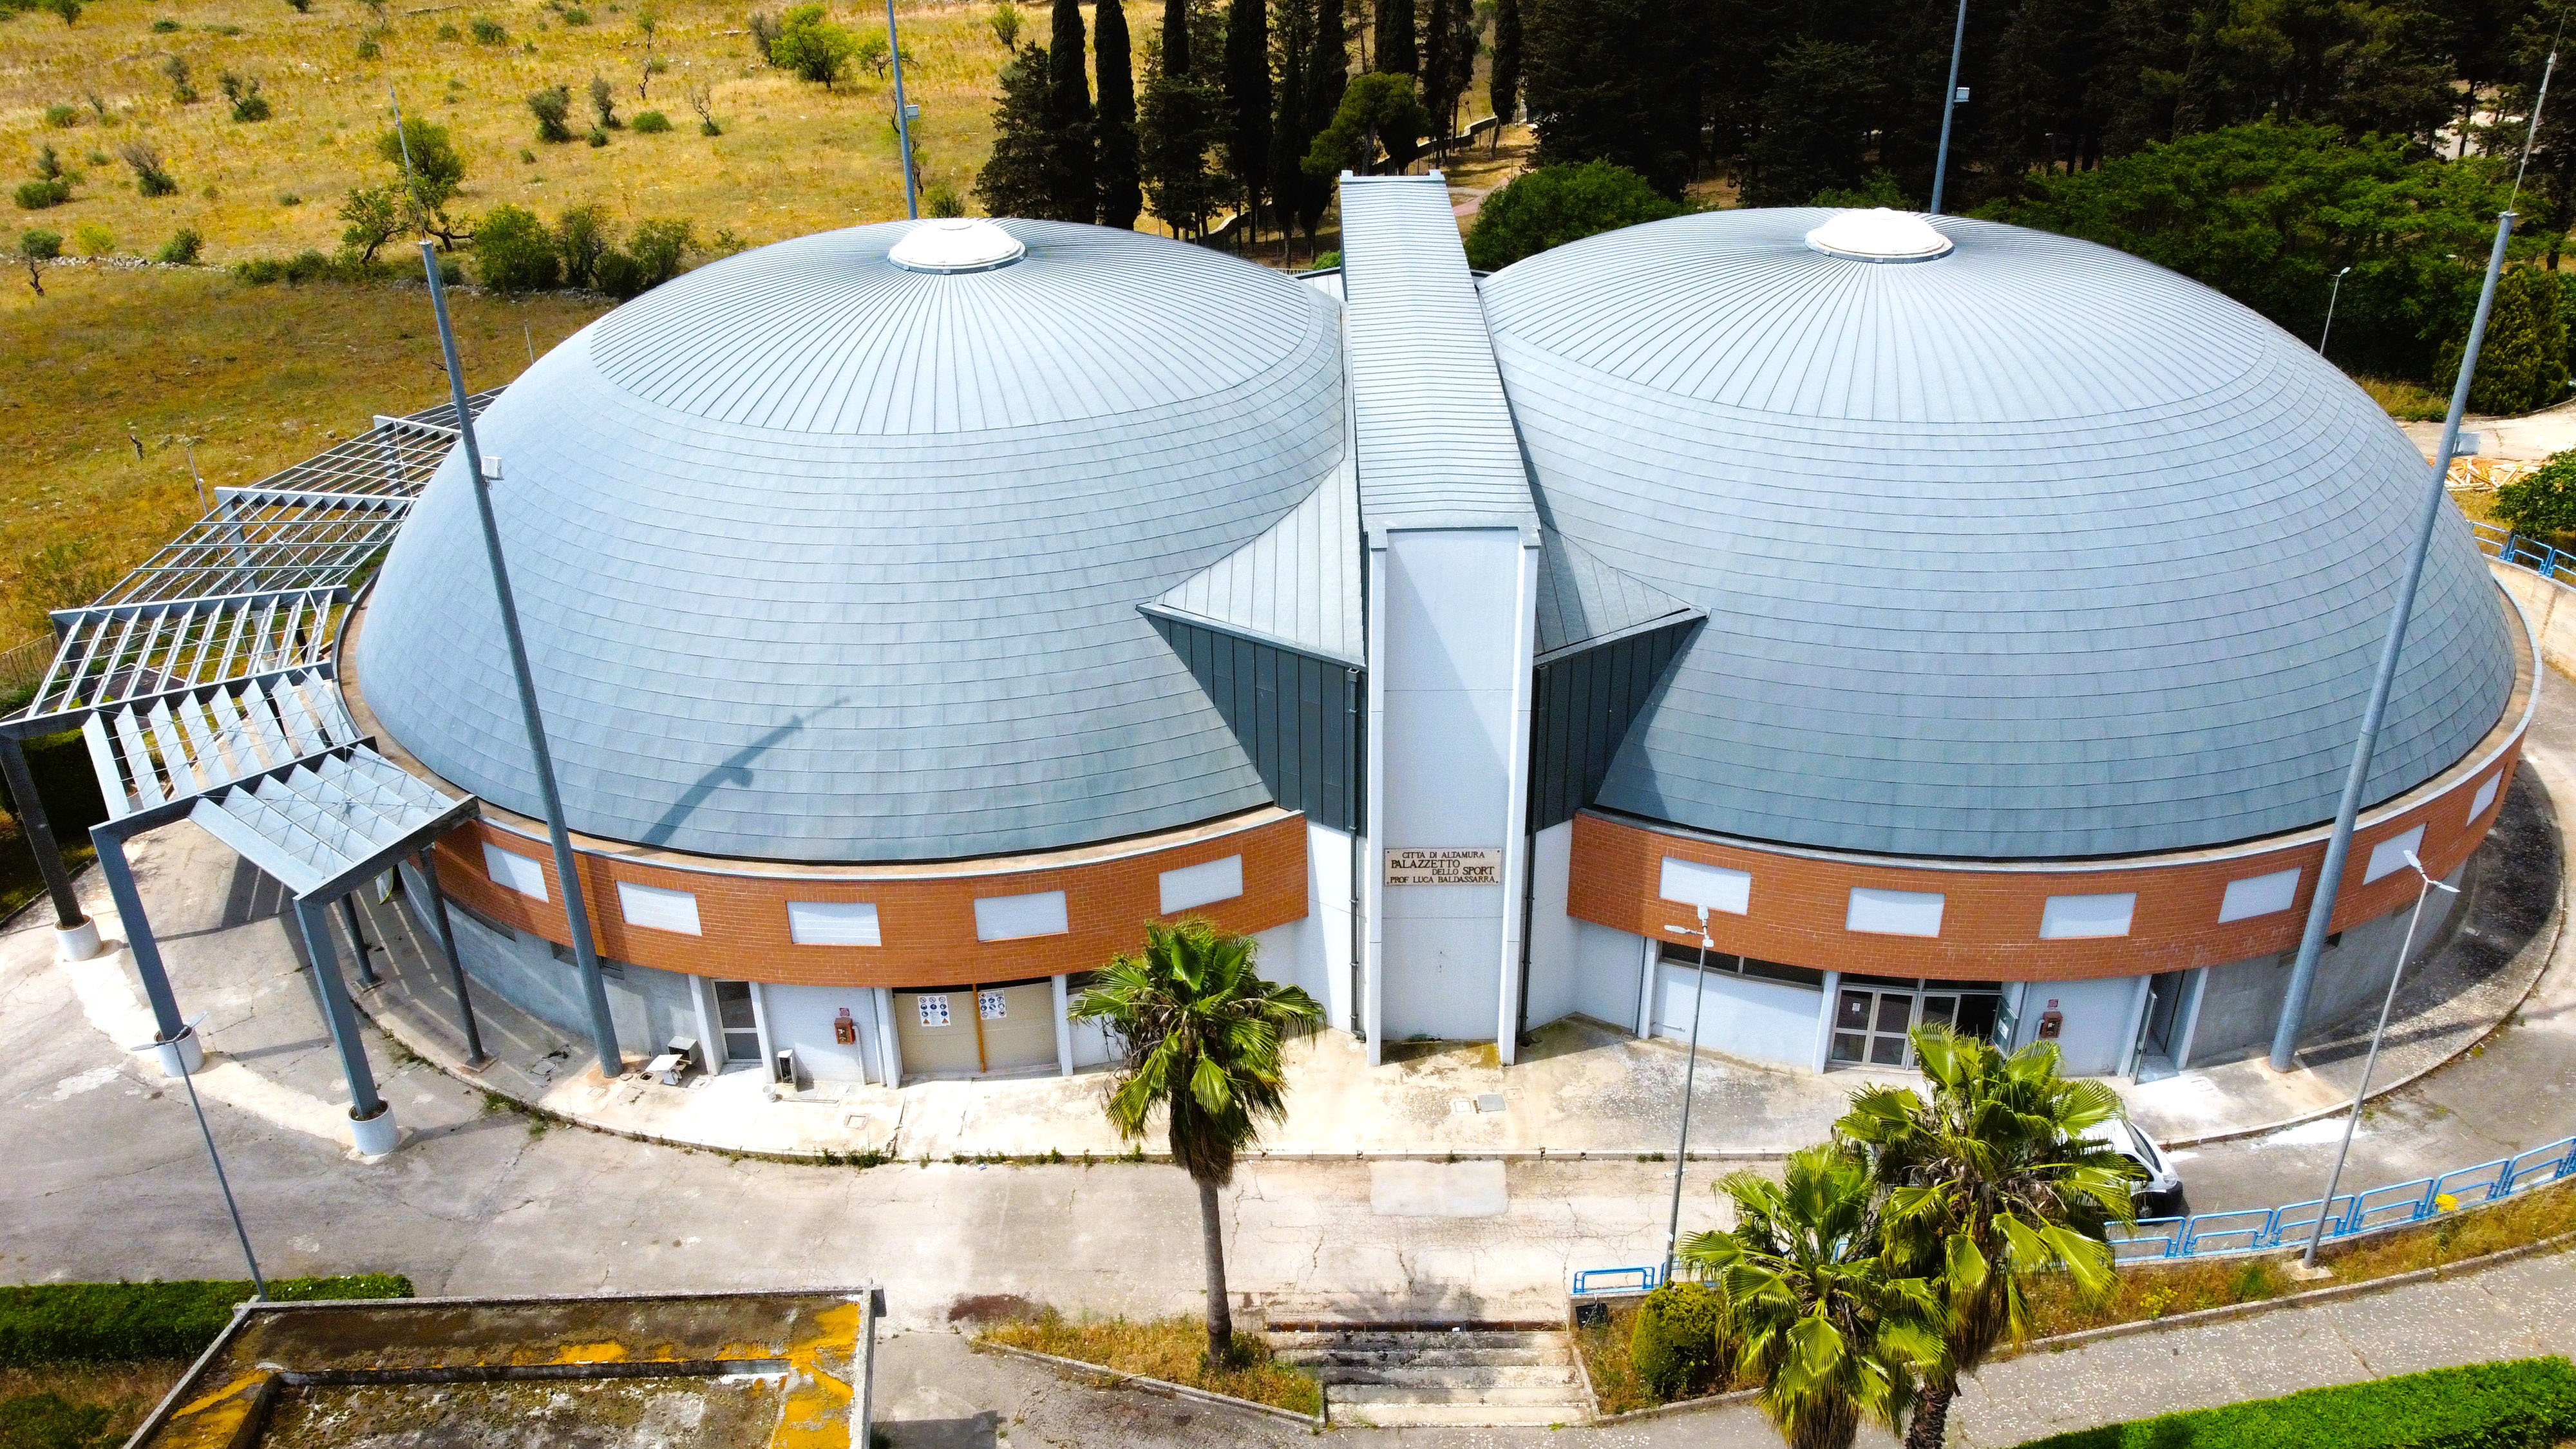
(1870,1025)
(739,1023)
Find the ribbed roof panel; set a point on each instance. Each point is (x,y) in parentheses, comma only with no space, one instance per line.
(2033,550)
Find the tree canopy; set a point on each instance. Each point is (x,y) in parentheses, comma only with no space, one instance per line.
(1554,205)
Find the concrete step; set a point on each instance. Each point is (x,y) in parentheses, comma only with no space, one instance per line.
(1414,1340)
(1320,1358)
(1437,1416)
(1562,1395)
(1457,1376)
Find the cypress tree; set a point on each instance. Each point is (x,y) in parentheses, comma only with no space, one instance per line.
(1395,53)
(1504,85)
(1437,35)
(1247,95)
(1176,39)
(1292,39)
(1328,72)
(1120,195)
(1073,192)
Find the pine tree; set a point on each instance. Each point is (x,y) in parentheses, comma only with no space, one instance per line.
(1073,193)
(1292,42)
(1448,61)
(1247,96)
(1504,85)
(1328,74)
(1018,178)
(1176,38)
(1395,53)
(1120,195)
(1181,120)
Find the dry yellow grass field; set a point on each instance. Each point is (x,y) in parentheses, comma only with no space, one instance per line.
(793,158)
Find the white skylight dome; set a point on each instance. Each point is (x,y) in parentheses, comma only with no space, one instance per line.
(1879,235)
(955,244)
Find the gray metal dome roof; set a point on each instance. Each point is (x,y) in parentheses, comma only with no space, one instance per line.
(2034,549)
(824,559)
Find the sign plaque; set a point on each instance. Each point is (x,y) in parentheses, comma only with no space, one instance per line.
(1432,866)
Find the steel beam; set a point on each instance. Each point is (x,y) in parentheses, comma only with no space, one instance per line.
(313,916)
(40,835)
(474,1054)
(138,934)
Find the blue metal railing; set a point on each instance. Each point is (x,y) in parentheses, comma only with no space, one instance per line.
(2524,551)
(2264,1230)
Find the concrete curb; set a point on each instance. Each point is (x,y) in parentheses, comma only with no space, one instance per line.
(1119,1379)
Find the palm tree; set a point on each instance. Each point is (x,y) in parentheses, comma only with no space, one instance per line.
(1810,1303)
(1203,1034)
(1989,1182)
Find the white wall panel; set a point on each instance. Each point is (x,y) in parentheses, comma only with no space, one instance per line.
(833,923)
(1893,913)
(1203,884)
(2259,895)
(514,871)
(658,909)
(1009,918)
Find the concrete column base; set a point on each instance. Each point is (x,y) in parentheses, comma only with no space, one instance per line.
(181,1058)
(374,1136)
(76,943)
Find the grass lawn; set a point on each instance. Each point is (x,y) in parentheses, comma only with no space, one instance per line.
(259,377)
(126,1390)
(1171,1349)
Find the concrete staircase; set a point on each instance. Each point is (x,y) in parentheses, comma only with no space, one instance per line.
(1396,1377)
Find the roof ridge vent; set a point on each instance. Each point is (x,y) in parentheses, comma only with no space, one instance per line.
(1879,235)
(956,244)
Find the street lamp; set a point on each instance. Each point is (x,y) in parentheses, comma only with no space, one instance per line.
(902,116)
(1690,1070)
(2330,306)
(2335,1180)
(1950,99)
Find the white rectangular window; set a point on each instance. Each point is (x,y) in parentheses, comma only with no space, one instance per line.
(1894,913)
(515,871)
(1204,884)
(658,909)
(2389,855)
(1713,886)
(2259,895)
(2076,918)
(1008,918)
(833,923)
(2486,795)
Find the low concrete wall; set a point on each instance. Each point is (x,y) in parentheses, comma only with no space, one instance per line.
(2552,607)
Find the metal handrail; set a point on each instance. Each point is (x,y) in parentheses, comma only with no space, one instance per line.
(2263,1230)
(2523,551)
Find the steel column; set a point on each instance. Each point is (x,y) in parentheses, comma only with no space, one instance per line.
(475,1056)
(40,833)
(342,1018)
(138,935)
(358,942)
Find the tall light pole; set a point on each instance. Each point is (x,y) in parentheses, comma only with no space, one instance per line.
(188,1074)
(2312,941)
(1690,1070)
(2353,1119)
(902,116)
(603,1028)
(2331,298)
(1949,103)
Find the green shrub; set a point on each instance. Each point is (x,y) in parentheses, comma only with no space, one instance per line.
(50,1421)
(1554,205)
(2526,1404)
(164,26)
(488,31)
(448,32)
(650,123)
(514,252)
(576,16)
(550,106)
(93,239)
(59,764)
(183,248)
(62,118)
(1675,1347)
(125,1322)
(369,50)
(37,195)
(149,176)
(2542,500)
(596,136)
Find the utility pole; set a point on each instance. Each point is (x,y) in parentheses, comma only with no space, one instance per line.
(902,117)
(1949,103)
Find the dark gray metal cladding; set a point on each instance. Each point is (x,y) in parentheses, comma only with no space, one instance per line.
(2033,550)
(823,559)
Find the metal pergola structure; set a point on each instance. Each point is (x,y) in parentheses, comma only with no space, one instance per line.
(204,685)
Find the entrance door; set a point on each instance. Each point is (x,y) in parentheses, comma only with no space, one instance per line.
(737,1018)
(937,1032)
(1870,1024)
(1019,1026)
(2156,1032)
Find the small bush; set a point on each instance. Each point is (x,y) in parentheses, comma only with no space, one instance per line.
(124,1322)
(448,32)
(39,194)
(181,249)
(1006,21)
(91,239)
(576,16)
(942,200)
(514,252)
(289,198)
(369,50)
(149,177)
(302,7)
(528,156)
(50,1421)
(595,136)
(651,123)
(1554,205)
(243,92)
(2527,1404)
(62,118)
(1675,1346)
(488,31)
(603,103)
(164,26)
(181,91)
(551,106)
(2541,501)
(44,245)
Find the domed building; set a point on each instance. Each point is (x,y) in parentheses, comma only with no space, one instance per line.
(1955,623)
